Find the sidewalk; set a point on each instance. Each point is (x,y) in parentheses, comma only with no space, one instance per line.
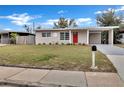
(13,76)
(1,45)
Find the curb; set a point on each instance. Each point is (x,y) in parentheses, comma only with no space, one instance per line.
(31,67)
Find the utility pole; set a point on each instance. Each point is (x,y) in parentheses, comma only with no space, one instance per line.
(33,28)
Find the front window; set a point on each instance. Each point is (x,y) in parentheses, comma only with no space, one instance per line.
(64,35)
(46,34)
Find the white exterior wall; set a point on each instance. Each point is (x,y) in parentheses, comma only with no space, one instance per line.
(82,37)
(55,38)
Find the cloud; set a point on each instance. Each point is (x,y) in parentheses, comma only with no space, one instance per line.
(80,21)
(48,23)
(98,12)
(7,29)
(105,11)
(20,19)
(61,12)
(119,9)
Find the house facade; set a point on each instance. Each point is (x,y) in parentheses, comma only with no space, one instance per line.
(91,35)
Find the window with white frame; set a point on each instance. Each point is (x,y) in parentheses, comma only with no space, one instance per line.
(64,35)
(46,34)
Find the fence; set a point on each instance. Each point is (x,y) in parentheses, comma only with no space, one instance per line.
(4,41)
(25,40)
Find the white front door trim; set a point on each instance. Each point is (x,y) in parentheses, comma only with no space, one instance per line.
(70,38)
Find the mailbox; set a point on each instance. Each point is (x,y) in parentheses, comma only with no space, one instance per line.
(94,48)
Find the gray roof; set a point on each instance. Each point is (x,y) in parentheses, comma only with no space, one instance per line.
(10,31)
(82,28)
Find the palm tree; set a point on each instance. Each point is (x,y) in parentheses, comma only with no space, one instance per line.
(63,23)
(72,23)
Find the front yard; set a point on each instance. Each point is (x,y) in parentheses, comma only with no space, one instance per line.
(62,57)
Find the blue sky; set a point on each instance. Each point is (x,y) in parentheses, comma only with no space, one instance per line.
(13,17)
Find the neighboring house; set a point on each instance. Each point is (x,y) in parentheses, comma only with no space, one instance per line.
(91,35)
(22,37)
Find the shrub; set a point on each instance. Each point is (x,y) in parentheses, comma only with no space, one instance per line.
(39,43)
(13,38)
(79,43)
(50,43)
(44,43)
(62,44)
(56,43)
(68,44)
(83,44)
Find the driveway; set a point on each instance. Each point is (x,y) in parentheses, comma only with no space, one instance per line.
(110,50)
(115,55)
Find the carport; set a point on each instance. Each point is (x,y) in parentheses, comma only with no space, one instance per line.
(95,34)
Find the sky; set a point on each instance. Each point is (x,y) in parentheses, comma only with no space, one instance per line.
(14,17)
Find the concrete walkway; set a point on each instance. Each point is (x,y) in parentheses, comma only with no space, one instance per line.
(1,45)
(116,56)
(12,76)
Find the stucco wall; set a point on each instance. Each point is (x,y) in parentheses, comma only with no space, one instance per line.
(55,38)
(95,38)
(82,37)
(110,37)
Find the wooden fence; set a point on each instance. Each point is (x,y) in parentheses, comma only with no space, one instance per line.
(25,40)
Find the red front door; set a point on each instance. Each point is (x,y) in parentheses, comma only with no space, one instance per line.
(75,37)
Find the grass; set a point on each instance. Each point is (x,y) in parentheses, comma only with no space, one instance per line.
(62,57)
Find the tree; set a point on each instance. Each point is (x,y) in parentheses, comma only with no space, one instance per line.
(109,18)
(27,28)
(121,26)
(13,38)
(38,27)
(63,23)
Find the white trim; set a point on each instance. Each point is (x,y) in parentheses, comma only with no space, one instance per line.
(70,39)
(87,36)
(112,36)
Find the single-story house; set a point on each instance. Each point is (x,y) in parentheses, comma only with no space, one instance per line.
(87,35)
(5,36)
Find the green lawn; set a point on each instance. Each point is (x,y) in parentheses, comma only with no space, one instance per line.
(62,57)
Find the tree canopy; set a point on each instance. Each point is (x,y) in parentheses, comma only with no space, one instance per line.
(109,18)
